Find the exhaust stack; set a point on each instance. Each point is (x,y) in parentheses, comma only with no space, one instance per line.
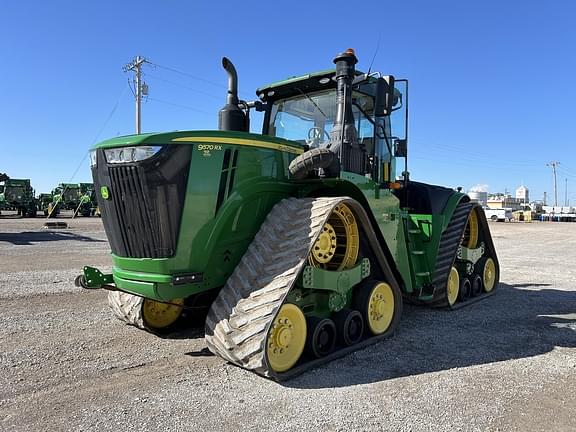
(231,117)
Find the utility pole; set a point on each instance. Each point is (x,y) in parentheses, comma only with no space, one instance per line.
(566,192)
(554,164)
(140,88)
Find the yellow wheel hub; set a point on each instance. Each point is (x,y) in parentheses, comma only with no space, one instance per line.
(470,239)
(453,286)
(325,246)
(287,338)
(338,244)
(160,315)
(489,275)
(380,308)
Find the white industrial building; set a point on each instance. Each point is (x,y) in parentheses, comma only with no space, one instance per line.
(523,194)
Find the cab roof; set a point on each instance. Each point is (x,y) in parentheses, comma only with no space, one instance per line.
(299,84)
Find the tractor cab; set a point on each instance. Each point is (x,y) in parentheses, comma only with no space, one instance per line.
(305,109)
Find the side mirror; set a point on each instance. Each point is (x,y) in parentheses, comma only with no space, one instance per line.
(400,148)
(385,96)
(360,79)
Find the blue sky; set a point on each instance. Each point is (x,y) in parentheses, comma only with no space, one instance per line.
(492,84)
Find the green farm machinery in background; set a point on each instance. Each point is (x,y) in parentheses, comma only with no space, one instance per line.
(18,195)
(80,198)
(87,204)
(67,195)
(300,242)
(49,204)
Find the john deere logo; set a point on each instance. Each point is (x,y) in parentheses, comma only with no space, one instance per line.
(104,192)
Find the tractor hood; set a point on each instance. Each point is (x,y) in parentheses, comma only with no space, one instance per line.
(202,137)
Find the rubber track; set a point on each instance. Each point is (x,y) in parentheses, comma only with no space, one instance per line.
(239,320)
(127,307)
(451,239)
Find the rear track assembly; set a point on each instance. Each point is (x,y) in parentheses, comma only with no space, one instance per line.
(451,239)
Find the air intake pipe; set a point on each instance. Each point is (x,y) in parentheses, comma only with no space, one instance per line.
(344,131)
(231,117)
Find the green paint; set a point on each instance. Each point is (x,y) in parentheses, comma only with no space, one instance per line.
(94,278)
(214,234)
(338,281)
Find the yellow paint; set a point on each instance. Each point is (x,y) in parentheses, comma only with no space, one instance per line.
(325,246)
(286,338)
(489,275)
(158,315)
(241,141)
(380,308)
(341,231)
(471,231)
(453,286)
(386,174)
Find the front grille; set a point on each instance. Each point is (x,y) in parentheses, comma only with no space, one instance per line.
(142,216)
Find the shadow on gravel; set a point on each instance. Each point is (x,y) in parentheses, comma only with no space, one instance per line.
(517,322)
(30,238)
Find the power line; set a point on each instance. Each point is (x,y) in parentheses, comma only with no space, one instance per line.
(477,155)
(188,75)
(110,116)
(180,106)
(183,86)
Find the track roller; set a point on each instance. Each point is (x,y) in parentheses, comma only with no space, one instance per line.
(321,339)
(464,289)
(378,303)
(350,326)
(477,285)
(453,286)
(487,269)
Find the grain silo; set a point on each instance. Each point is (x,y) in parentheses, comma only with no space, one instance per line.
(479,194)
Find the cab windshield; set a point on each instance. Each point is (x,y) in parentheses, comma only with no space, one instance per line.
(309,118)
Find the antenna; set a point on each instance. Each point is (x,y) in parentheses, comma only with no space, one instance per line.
(375,53)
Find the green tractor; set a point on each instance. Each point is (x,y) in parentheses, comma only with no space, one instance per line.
(87,204)
(18,194)
(45,201)
(302,242)
(69,195)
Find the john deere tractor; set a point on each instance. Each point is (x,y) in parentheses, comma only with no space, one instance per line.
(87,203)
(69,195)
(301,241)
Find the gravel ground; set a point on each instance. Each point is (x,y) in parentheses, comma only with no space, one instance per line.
(505,364)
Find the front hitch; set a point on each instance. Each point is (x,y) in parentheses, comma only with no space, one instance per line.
(92,278)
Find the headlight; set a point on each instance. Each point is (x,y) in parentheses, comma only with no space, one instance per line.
(130,154)
(92,158)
